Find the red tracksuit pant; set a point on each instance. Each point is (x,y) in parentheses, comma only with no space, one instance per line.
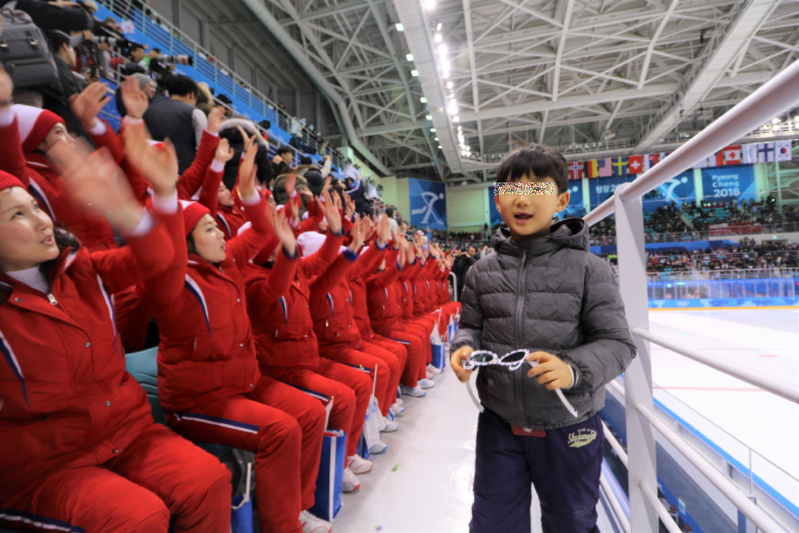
(416,361)
(350,389)
(400,353)
(392,365)
(159,474)
(422,327)
(284,428)
(368,358)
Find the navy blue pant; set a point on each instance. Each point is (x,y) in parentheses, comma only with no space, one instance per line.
(564,467)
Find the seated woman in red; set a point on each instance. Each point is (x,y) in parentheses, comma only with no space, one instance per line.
(208,379)
(79,450)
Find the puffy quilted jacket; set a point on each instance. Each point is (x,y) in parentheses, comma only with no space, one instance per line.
(545,294)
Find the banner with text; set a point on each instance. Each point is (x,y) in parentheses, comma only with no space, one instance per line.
(428,204)
(729,182)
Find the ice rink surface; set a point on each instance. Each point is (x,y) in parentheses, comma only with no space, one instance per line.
(423,483)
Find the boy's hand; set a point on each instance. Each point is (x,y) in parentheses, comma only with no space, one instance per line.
(551,370)
(456,362)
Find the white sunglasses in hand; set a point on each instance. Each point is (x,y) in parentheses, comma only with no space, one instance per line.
(512,361)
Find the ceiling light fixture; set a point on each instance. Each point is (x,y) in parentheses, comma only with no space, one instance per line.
(409,57)
(414,72)
(440,25)
(399,26)
(445,74)
(432,130)
(429,117)
(456,118)
(450,85)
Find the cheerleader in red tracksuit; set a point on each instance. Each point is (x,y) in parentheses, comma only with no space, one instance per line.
(287,347)
(357,286)
(338,334)
(208,380)
(422,326)
(79,450)
(385,313)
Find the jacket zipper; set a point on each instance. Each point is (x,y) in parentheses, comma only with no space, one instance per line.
(52,299)
(518,376)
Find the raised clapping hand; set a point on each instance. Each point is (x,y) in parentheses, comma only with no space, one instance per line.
(248,141)
(358,233)
(383,230)
(96,182)
(87,105)
(247,172)
(215,119)
(224,152)
(133,97)
(6,88)
(291,182)
(159,166)
(332,214)
(284,232)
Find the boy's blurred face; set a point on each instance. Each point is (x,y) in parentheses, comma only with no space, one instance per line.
(528,215)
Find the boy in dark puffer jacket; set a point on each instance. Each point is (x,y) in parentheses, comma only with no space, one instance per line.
(541,291)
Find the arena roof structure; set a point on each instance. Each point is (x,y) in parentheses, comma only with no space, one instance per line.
(445,88)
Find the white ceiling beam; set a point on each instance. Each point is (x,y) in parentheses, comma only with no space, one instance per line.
(705,76)
(653,41)
(559,56)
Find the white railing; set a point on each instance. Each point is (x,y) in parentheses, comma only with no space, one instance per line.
(775,97)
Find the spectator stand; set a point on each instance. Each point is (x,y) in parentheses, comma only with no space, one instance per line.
(248,102)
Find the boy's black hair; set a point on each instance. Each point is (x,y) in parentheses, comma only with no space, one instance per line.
(537,161)
(305,160)
(180,85)
(134,46)
(283,150)
(389,211)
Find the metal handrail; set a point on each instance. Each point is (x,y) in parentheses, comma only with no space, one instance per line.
(723,484)
(656,504)
(614,503)
(759,379)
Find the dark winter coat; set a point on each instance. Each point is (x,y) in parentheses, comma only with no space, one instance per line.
(547,294)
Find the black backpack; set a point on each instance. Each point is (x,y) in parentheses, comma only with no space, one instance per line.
(25,52)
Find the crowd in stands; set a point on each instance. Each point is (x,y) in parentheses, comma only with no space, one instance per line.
(281,304)
(711,219)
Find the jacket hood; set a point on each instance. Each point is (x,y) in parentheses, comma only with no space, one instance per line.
(566,233)
(302,169)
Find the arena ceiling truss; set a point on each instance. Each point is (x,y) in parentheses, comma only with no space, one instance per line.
(592,77)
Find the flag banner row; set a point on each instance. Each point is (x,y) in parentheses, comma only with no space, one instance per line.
(638,164)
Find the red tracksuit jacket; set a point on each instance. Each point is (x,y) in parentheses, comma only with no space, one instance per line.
(367,263)
(67,400)
(207,350)
(383,297)
(280,314)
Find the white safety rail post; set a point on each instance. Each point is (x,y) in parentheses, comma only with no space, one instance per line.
(638,376)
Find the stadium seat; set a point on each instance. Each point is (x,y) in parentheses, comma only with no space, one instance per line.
(144,367)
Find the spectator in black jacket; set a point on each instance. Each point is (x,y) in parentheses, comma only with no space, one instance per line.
(281,163)
(58,101)
(312,174)
(54,17)
(462,265)
(177,118)
(356,191)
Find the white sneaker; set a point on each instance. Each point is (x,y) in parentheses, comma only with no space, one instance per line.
(351,483)
(313,524)
(358,464)
(427,383)
(391,426)
(378,447)
(430,375)
(416,392)
(398,401)
(433,369)
(397,409)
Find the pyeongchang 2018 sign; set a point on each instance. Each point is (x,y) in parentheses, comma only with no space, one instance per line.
(428,204)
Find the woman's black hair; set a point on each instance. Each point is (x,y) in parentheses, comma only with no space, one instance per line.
(190,246)
(64,240)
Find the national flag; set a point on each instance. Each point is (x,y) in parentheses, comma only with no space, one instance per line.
(783,149)
(732,155)
(716,160)
(576,170)
(749,153)
(650,160)
(635,164)
(619,166)
(765,152)
(604,167)
(591,169)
